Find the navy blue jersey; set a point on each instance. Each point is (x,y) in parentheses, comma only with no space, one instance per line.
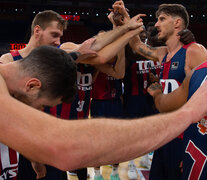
(106,87)
(195,137)
(80,106)
(167,159)
(137,102)
(136,78)
(173,72)
(16,55)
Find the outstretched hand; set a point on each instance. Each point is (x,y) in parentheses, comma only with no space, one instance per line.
(119,7)
(153,78)
(154,89)
(85,49)
(39,169)
(120,13)
(136,21)
(186,36)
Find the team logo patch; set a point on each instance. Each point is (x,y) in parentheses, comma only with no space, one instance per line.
(202,125)
(174,65)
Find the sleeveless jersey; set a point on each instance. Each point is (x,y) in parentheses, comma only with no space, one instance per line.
(136,78)
(106,87)
(16,56)
(9,157)
(195,137)
(173,72)
(80,106)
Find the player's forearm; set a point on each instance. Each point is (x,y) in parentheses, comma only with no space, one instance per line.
(75,144)
(143,49)
(159,100)
(118,70)
(111,50)
(108,37)
(27,129)
(119,141)
(119,67)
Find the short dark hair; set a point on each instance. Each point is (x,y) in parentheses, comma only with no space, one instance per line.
(174,10)
(44,18)
(55,69)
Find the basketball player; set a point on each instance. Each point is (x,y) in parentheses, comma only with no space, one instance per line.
(194,150)
(35,81)
(177,60)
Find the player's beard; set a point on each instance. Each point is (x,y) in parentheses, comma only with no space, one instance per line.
(23,98)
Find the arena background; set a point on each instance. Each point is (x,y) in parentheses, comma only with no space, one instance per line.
(86,17)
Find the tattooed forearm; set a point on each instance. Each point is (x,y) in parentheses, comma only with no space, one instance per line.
(147,51)
(150,47)
(155,86)
(144,52)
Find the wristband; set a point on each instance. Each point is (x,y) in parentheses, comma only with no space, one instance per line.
(75,55)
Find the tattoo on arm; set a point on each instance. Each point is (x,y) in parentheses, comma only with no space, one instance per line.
(156,86)
(150,47)
(147,51)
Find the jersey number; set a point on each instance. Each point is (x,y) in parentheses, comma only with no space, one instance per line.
(199,161)
(80,106)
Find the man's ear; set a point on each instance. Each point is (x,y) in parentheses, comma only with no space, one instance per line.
(33,85)
(178,23)
(37,30)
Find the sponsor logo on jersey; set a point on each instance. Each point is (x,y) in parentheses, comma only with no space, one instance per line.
(9,172)
(202,125)
(84,81)
(169,85)
(146,66)
(174,65)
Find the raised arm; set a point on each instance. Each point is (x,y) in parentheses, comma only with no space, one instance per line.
(60,143)
(111,50)
(108,52)
(153,53)
(136,44)
(117,69)
(172,101)
(108,37)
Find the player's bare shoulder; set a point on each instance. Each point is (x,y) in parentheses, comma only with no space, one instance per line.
(195,48)
(6,58)
(195,55)
(69,46)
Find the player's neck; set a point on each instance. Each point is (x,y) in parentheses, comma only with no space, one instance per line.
(173,44)
(30,46)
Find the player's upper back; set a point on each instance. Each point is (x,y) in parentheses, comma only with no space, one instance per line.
(6,58)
